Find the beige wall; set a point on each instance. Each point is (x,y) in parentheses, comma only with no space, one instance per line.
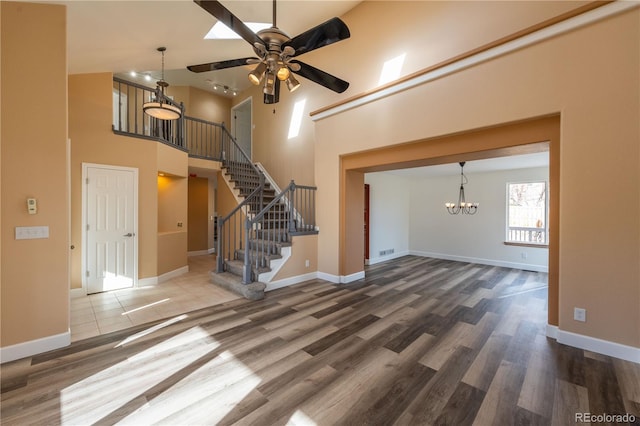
(172,251)
(589,76)
(201,104)
(421,29)
(93,141)
(304,248)
(35,273)
(198,214)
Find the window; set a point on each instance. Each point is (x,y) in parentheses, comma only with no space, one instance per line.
(527,213)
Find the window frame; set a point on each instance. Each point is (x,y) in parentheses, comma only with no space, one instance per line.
(507,240)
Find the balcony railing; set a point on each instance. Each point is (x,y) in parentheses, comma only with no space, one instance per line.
(130,120)
(521,234)
(200,138)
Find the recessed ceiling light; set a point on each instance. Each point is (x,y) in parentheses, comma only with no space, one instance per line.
(133,73)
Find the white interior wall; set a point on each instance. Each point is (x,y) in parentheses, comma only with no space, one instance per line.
(408,214)
(389,198)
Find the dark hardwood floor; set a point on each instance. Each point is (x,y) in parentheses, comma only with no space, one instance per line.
(419,341)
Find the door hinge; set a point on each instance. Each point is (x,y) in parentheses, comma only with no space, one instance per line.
(87,226)
(87,181)
(88,274)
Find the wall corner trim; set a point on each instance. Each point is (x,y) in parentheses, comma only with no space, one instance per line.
(593,344)
(34,347)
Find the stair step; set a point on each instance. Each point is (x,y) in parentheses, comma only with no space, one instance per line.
(229,281)
(279,235)
(265,256)
(272,245)
(244,191)
(236,267)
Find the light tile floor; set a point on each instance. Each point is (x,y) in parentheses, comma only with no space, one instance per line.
(115,310)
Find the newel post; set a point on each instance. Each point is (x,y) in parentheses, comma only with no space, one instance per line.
(292,193)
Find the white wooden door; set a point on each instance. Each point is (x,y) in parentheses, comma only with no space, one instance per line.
(110,228)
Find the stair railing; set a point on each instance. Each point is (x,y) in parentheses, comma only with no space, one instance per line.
(243,171)
(266,230)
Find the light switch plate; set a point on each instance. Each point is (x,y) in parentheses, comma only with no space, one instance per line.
(31,232)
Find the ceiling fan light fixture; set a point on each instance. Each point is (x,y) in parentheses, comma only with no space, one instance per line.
(269,84)
(292,83)
(283,72)
(256,76)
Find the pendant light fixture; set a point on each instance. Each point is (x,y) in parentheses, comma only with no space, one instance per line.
(462,206)
(159,107)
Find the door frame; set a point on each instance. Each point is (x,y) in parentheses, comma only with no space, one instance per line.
(242,105)
(85,201)
(367,213)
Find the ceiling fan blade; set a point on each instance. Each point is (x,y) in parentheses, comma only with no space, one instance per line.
(212,66)
(223,15)
(322,78)
(324,34)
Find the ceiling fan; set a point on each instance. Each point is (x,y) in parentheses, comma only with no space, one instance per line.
(275,51)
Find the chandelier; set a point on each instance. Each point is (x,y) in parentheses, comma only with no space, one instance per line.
(159,107)
(462,206)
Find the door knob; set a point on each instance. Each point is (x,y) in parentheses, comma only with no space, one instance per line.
(129,235)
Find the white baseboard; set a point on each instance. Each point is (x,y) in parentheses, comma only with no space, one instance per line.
(201,252)
(328,277)
(605,347)
(335,279)
(33,347)
(344,279)
(286,282)
(151,281)
(172,274)
(77,292)
(341,279)
(374,260)
(490,262)
(593,344)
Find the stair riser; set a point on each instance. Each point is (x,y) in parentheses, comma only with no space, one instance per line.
(263,261)
(236,268)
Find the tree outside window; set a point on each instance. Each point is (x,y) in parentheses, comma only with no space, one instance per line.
(527,212)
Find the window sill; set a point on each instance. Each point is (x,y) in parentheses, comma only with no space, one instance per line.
(534,245)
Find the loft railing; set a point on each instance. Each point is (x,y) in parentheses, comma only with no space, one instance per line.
(130,120)
(200,138)
(205,139)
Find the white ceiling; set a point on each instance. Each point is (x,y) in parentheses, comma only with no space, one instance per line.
(539,159)
(122,36)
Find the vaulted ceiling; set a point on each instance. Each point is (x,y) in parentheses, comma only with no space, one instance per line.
(122,36)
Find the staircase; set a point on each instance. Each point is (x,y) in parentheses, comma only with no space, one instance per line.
(256,234)
(252,237)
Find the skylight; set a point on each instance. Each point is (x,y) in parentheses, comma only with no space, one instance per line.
(221,32)
(391,69)
(296,118)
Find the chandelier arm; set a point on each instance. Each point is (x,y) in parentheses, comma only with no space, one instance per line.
(463,206)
